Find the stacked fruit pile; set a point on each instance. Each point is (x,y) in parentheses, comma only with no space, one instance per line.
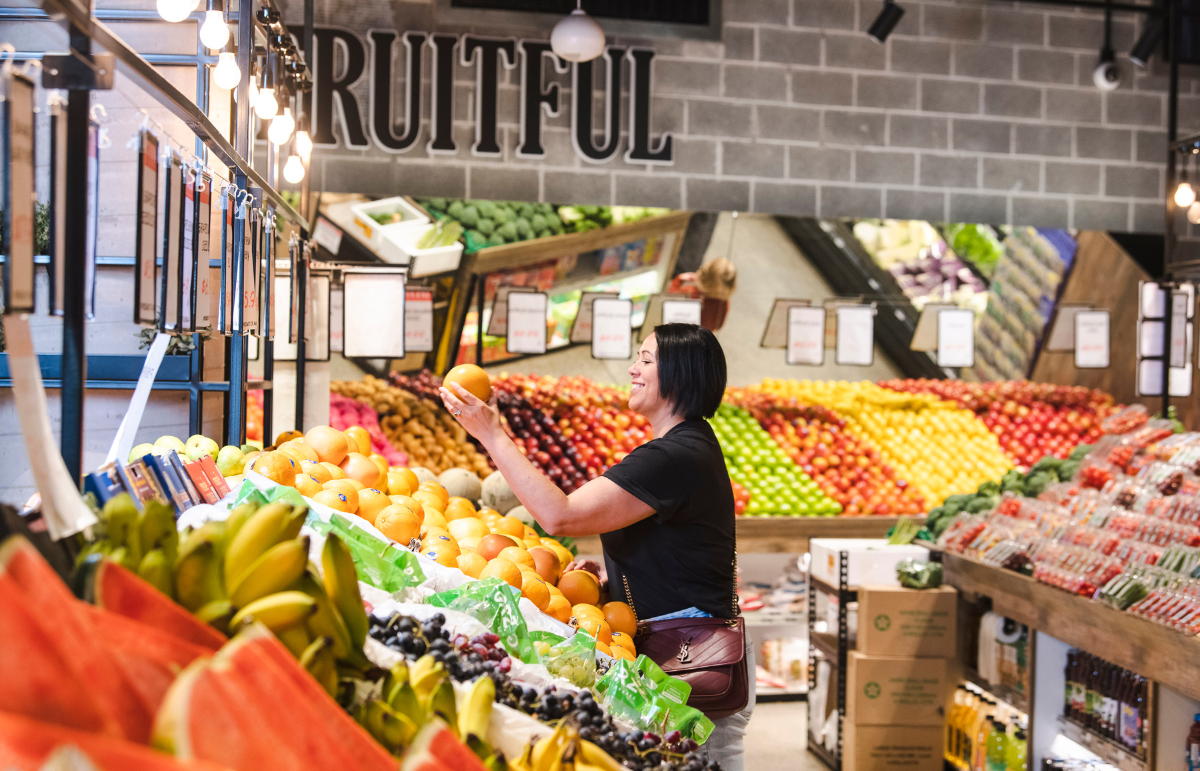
(345,413)
(254,416)
(845,466)
(1031,420)
(776,485)
(937,447)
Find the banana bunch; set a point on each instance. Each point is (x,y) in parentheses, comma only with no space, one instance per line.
(413,695)
(563,750)
(146,542)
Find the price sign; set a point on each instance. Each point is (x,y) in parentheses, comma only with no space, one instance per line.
(855,335)
(526,322)
(681,312)
(581,327)
(93,220)
(58,219)
(612,328)
(250,277)
(229,274)
(497,325)
(18,195)
(1091,339)
(172,245)
(805,335)
(956,338)
(327,235)
(374,315)
(1180,307)
(203,312)
(418,320)
(337,318)
(187,292)
(146,247)
(268,280)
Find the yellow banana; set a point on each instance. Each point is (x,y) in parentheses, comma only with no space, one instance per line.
(589,756)
(403,699)
(341,582)
(261,532)
(325,622)
(156,530)
(317,658)
(476,713)
(396,676)
(238,516)
(425,674)
(278,568)
(216,614)
(294,638)
(277,611)
(293,523)
(156,571)
(197,570)
(394,731)
(441,703)
(549,752)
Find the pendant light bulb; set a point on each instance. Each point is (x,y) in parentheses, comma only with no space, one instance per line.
(1184,195)
(293,170)
(282,127)
(227,74)
(1193,213)
(267,105)
(304,144)
(176,10)
(577,38)
(214,33)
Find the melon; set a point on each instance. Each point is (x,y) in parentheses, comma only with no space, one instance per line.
(460,483)
(496,493)
(423,474)
(521,513)
(26,744)
(114,588)
(435,739)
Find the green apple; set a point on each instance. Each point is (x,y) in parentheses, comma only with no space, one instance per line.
(142,450)
(198,446)
(171,443)
(230,461)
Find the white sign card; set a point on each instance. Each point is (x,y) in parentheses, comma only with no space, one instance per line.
(336,338)
(374,315)
(1150,339)
(285,350)
(328,235)
(317,318)
(1179,315)
(229,273)
(250,274)
(268,282)
(1150,379)
(169,304)
(187,294)
(1091,339)
(497,325)
(681,312)
(19,195)
(58,218)
(418,320)
(146,245)
(612,328)
(581,327)
(855,335)
(526,323)
(293,295)
(805,335)
(956,338)
(1152,302)
(93,220)
(775,333)
(204,286)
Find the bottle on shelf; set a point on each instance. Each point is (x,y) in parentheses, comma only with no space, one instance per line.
(997,747)
(1015,758)
(1106,700)
(962,698)
(1193,745)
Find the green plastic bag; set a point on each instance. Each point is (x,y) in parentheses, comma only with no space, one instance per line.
(269,493)
(492,603)
(543,641)
(629,693)
(573,659)
(914,574)
(385,566)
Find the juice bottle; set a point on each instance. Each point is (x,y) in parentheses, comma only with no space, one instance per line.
(979,734)
(1193,745)
(1069,696)
(997,747)
(966,719)
(950,751)
(1015,756)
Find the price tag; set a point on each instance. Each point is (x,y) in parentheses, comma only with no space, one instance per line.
(612,328)
(855,335)
(681,312)
(337,318)
(250,275)
(581,327)
(203,253)
(58,220)
(497,325)
(225,307)
(93,221)
(327,235)
(526,322)
(19,195)
(187,277)
(268,283)
(1180,351)
(171,269)
(418,320)
(1091,339)
(956,338)
(806,335)
(293,295)
(317,319)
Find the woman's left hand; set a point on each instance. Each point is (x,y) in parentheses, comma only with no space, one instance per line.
(481,419)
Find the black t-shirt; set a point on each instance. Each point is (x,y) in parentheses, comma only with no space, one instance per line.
(682,555)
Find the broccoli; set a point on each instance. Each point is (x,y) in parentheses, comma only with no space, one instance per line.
(1066,472)
(487,209)
(1038,482)
(523,228)
(936,513)
(537,222)
(495,240)
(470,216)
(955,503)
(485,226)
(475,236)
(503,214)
(1080,452)
(526,211)
(507,231)
(436,203)
(981,504)
(542,234)
(989,488)
(455,210)
(556,225)
(1047,463)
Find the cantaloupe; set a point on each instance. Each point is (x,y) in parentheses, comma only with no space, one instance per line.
(461,483)
(423,474)
(521,513)
(496,494)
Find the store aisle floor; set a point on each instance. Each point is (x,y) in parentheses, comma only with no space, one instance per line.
(776,736)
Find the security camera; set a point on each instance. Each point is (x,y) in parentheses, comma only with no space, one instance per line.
(1106,76)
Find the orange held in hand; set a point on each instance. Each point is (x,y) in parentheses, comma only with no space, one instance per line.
(472,378)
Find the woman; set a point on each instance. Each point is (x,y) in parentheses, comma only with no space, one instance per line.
(665,512)
(713,285)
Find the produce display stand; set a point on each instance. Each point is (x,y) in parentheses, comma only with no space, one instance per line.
(471,278)
(833,647)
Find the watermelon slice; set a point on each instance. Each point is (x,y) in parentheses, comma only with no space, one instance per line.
(436,739)
(26,743)
(260,648)
(422,761)
(58,612)
(205,717)
(121,591)
(35,681)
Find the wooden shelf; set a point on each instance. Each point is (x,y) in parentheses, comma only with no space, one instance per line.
(1002,692)
(1108,750)
(1151,650)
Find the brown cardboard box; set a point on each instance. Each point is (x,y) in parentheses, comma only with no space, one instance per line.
(891,690)
(895,621)
(892,748)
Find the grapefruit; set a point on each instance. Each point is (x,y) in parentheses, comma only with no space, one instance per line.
(468,545)
(468,528)
(461,508)
(533,587)
(434,518)
(517,556)
(510,526)
(545,562)
(409,477)
(558,608)
(371,502)
(330,444)
(411,503)
(316,471)
(335,499)
(429,500)
(622,640)
(398,523)
(335,471)
(361,439)
(580,587)
(490,546)
(442,555)
(298,447)
(308,485)
(472,378)
(587,611)
(619,652)
(504,570)
(437,489)
(598,629)
(276,466)
(621,618)
(397,483)
(344,487)
(360,467)
(470,563)
(380,463)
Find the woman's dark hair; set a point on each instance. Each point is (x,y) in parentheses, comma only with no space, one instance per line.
(691,369)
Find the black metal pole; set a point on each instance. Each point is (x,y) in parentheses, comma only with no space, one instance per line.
(74,349)
(1174,40)
(235,413)
(479,321)
(301,267)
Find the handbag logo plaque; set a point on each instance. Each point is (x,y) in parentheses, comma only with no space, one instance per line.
(685,653)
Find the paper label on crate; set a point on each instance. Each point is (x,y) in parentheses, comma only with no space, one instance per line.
(1091,339)
(526,322)
(806,335)
(956,338)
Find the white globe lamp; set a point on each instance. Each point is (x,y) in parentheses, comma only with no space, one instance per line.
(577,38)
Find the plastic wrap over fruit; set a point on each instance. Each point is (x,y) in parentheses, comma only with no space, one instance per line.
(919,575)
(494,604)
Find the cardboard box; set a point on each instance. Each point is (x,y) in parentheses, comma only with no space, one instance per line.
(892,748)
(895,690)
(869,560)
(907,622)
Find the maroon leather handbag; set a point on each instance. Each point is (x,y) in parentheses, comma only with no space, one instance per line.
(707,653)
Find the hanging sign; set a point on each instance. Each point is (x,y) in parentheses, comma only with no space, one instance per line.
(19,194)
(1180,352)
(172,244)
(1062,329)
(374,315)
(681,312)
(418,320)
(336,318)
(956,338)
(187,280)
(146,245)
(855,343)
(318,319)
(612,328)
(526,323)
(497,325)
(581,327)
(250,275)
(805,335)
(203,278)
(93,220)
(58,219)
(1091,339)
(328,235)
(775,333)
(293,295)
(268,277)
(228,272)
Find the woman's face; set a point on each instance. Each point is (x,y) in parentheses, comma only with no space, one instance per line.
(645,398)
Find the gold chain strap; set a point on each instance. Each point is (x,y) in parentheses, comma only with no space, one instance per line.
(732,618)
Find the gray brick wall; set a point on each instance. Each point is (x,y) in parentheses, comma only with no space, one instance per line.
(973,110)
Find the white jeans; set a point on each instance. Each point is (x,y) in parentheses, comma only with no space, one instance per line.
(725,744)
